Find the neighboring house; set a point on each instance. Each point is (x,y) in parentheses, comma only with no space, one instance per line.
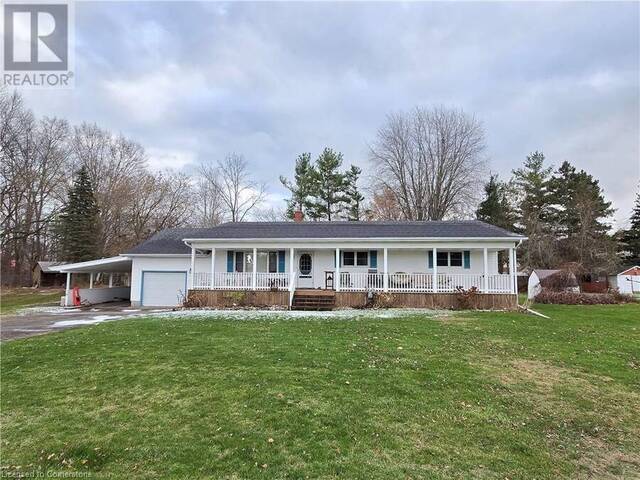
(43,276)
(545,278)
(273,263)
(627,281)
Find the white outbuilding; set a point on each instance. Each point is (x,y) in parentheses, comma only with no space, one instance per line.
(539,277)
(628,281)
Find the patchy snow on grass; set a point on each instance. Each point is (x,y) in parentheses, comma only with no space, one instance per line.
(55,310)
(348,314)
(90,321)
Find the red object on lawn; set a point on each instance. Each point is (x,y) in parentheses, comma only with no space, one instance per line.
(75,294)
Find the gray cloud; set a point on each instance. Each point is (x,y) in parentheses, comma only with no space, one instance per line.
(270,80)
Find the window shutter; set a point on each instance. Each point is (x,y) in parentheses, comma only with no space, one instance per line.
(281,254)
(373,259)
(229,261)
(467,259)
(430,255)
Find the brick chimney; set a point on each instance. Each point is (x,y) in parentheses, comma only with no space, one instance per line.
(298,216)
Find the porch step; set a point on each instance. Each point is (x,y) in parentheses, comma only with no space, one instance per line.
(313,300)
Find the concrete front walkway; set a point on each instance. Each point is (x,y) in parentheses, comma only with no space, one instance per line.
(40,320)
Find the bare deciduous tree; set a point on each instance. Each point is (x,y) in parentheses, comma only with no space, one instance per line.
(238,192)
(431,159)
(208,206)
(32,167)
(384,206)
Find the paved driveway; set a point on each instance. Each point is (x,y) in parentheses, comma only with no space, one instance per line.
(38,321)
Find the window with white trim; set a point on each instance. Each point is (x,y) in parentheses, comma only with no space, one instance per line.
(353,259)
(449,259)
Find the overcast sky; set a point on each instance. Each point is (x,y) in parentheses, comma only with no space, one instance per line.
(193,81)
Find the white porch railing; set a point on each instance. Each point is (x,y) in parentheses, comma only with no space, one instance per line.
(451,283)
(240,281)
(360,282)
(272,281)
(410,282)
(423,282)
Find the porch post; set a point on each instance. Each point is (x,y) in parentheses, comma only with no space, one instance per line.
(485,280)
(213,265)
(511,267)
(254,276)
(111,280)
(435,270)
(66,293)
(291,272)
(515,271)
(385,278)
(193,265)
(337,279)
(90,279)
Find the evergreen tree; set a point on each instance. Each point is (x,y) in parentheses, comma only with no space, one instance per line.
(321,190)
(355,198)
(77,228)
(533,211)
(578,217)
(302,187)
(631,237)
(496,208)
(329,186)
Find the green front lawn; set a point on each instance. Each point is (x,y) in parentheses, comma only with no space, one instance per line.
(12,300)
(478,395)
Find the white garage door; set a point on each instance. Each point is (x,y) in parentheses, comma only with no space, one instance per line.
(163,289)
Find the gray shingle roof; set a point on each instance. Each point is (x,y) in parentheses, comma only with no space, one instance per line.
(171,241)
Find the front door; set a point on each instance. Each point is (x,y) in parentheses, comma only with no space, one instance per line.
(305,270)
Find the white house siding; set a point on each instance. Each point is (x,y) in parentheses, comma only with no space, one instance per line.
(162,264)
(399,260)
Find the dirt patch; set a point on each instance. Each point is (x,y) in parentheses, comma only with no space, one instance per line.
(601,433)
(601,461)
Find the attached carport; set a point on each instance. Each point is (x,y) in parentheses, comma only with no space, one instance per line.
(113,267)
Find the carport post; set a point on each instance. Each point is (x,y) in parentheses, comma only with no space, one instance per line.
(111,280)
(91,280)
(66,293)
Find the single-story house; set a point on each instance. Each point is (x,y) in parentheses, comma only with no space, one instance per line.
(627,281)
(44,276)
(289,264)
(540,278)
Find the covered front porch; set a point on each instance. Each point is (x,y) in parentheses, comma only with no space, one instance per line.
(424,269)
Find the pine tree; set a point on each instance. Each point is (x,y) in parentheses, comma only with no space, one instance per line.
(302,186)
(496,208)
(533,210)
(578,216)
(631,237)
(329,185)
(77,228)
(355,198)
